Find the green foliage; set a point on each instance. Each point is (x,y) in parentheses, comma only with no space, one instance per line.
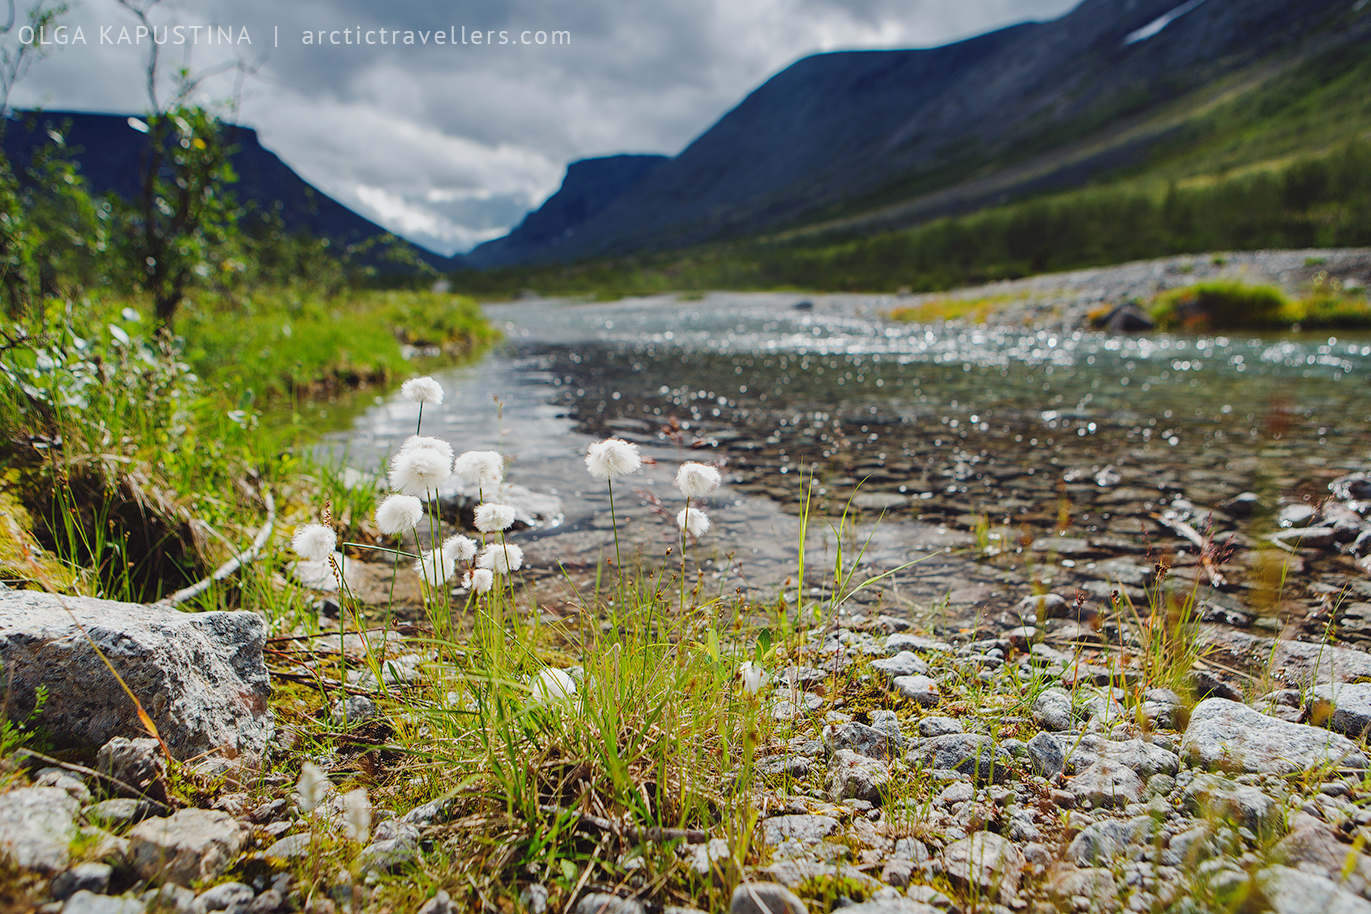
(1222,306)
(183,222)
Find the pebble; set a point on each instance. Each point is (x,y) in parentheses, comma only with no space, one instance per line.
(37,825)
(88,877)
(189,846)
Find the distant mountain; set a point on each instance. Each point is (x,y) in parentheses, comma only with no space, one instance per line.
(107,149)
(878,139)
(590,185)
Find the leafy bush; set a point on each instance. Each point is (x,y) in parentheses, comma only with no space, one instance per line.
(1222,306)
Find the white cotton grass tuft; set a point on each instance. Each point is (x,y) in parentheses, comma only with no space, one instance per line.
(693,521)
(501,558)
(612,458)
(314,542)
(459,548)
(552,685)
(480,468)
(399,514)
(696,480)
(480,580)
(752,677)
(357,815)
(419,470)
(492,518)
(312,787)
(428,443)
(435,566)
(422,390)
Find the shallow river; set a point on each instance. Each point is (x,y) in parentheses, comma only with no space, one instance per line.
(964,437)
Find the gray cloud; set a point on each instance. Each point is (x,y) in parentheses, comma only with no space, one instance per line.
(450,145)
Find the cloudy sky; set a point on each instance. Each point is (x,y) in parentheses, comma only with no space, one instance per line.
(450,144)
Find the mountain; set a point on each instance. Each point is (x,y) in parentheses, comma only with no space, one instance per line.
(590,185)
(107,150)
(862,140)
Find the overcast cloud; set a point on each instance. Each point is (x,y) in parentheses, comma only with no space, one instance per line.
(449,145)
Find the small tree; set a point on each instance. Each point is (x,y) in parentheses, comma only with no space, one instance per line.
(184,219)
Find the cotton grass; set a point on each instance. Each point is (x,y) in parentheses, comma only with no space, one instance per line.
(314,542)
(492,518)
(692,521)
(696,480)
(399,514)
(501,558)
(480,468)
(613,458)
(419,470)
(480,580)
(422,390)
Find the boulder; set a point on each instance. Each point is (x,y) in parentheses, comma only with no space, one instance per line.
(200,676)
(1230,736)
(37,825)
(1342,706)
(1291,891)
(765,898)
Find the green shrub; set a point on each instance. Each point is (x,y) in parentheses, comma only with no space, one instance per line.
(1222,306)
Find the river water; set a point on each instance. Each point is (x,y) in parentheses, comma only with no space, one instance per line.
(978,445)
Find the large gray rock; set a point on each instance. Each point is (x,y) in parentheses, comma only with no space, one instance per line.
(1291,891)
(1100,841)
(1230,736)
(985,862)
(1046,755)
(36,828)
(1213,796)
(1052,709)
(863,740)
(199,675)
(895,905)
(765,898)
(88,877)
(187,846)
(972,754)
(84,902)
(1107,783)
(1146,759)
(853,776)
(1342,706)
(1315,848)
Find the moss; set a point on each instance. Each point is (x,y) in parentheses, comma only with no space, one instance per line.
(22,560)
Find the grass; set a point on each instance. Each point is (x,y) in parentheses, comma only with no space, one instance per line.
(1236,306)
(976,310)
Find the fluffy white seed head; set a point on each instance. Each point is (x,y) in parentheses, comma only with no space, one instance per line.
(399,514)
(479,580)
(418,470)
(480,468)
(429,443)
(501,558)
(435,566)
(612,458)
(459,548)
(696,480)
(314,542)
(357,815)
(422,390)
(312,787)
(751,676)
(552,685)
(492,518)
(693,521)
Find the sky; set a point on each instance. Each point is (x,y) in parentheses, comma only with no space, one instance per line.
(450,144)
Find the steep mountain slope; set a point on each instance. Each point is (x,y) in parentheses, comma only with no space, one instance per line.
(1033,107)
(590,185)
(108,149)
